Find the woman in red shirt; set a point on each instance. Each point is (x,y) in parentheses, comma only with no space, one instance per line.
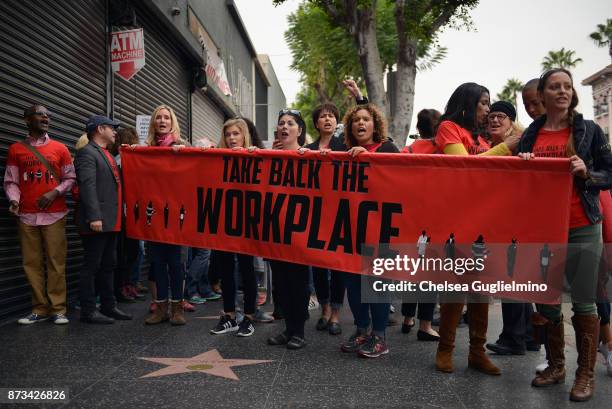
(562,132)
(459,134)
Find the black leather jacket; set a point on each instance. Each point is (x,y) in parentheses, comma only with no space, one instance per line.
(593,148)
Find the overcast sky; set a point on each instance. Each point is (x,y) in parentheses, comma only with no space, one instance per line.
(510,39)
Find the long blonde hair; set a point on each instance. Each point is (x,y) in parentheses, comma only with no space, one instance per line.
(244,129)
(174,129)
(81,142)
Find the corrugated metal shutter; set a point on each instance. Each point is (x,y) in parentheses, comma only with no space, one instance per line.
(206,117)
(165,79)
(53,53)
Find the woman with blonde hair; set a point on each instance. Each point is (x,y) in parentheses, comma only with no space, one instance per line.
(164,131)
(235,135)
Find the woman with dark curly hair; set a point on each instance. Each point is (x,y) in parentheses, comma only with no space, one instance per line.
(365,130)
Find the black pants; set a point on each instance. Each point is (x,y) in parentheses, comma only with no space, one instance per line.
(329,286)
(97,270)
(426,310)
(127,257)
(291,288)
(222,263)
(517,329)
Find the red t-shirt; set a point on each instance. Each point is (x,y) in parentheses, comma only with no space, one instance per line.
(553,144)
(372,147)
(422,146)
(34,178)
(113,164)
(449,133)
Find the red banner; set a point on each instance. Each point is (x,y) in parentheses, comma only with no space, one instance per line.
(320,210)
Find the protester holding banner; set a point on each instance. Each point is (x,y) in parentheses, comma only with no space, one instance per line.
(291,279)
(427,121)
(517,334)
(235,135)
(563,132)
(329,284)
(164,131)
(458,134)
(365,131)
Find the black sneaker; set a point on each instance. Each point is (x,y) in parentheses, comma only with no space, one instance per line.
(226,324)
(354,343)
(374,348)
(245,329)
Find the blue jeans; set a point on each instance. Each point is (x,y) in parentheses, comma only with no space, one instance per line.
(197,274)
(166,263)
(135,278)
(361,311)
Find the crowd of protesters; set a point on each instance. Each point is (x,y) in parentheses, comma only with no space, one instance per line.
(40,172)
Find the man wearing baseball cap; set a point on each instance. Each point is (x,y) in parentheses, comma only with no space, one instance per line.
(99,220)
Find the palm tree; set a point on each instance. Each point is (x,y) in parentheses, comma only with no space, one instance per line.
(510,91)
(603,36)
(560,59)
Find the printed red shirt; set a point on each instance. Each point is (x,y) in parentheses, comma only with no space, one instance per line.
(450,133)
(553,144)
(35,179)
(422,146)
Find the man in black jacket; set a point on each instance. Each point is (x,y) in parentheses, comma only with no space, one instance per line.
(99,221)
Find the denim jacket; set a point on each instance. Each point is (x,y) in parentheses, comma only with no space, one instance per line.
(593,148)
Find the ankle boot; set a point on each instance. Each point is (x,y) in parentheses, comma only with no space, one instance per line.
(478,319)
(555,343)
(178,314)
(160,314)
(449,316)
(587,338)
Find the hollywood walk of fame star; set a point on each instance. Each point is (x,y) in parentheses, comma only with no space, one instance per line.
(210,362)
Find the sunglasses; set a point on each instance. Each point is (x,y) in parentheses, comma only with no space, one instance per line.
(289,111)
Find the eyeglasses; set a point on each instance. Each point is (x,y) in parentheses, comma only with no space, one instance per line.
(289,111)
(499,116)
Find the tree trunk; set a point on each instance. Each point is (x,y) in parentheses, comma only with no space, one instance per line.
(363,30)
(404,78)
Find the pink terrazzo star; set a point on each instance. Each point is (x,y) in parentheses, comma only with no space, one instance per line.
(210,362)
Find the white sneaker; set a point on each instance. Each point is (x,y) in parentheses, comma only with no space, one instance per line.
(540,368)
(603,348)
(32,319)
(60,319)
(313,304)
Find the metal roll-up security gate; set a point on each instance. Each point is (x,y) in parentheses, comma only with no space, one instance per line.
(53,53)
(207,119)
(164,80)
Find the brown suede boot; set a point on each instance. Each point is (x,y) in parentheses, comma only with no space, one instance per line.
(449,316)
(478,320)
(555,344)
(587,338)
(178,315)
(159,315)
